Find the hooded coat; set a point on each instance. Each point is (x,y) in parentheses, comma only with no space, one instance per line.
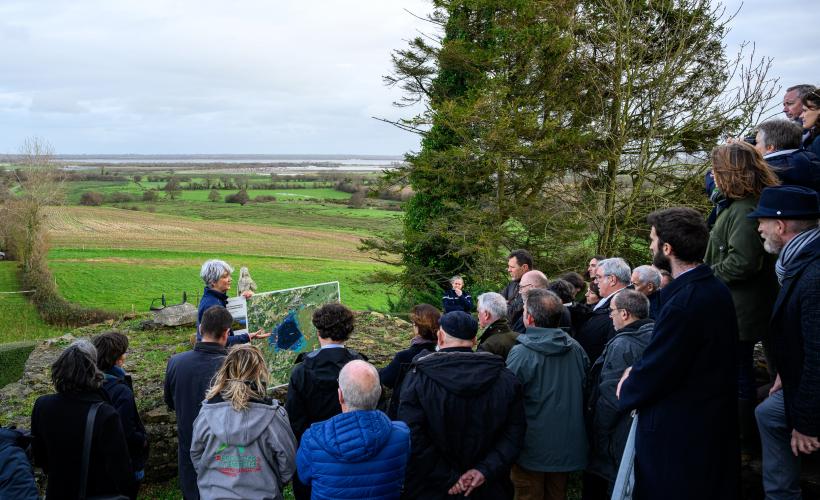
(465,411)
(552,367)
(609,425)
(359,454)
(243,454)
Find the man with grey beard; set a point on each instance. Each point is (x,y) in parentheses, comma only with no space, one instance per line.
(789,419)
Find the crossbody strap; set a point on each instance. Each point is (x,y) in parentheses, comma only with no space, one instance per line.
(89,430)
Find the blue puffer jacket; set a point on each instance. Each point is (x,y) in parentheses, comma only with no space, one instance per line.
(16,476)
(359,454)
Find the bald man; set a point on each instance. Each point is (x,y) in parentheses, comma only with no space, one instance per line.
(529,281)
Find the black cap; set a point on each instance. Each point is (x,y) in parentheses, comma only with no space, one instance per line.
(459,324)
(787,202)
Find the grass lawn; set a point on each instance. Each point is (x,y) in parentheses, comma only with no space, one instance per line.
(18,318)
(126,280)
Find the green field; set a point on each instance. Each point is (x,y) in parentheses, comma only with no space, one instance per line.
(18,318)
(127,280)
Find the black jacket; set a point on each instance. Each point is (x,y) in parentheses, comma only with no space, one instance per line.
(393,374)
(796,334)
(597,331)
(685,390)
(515,306)
(465,411)
(187,379)
(312,391)
(118,387)
(797,167)
(58,426)
(452,302)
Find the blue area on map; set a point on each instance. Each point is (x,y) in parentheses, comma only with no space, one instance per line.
(287,336)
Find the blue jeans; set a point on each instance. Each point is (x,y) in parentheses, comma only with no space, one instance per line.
(781,469)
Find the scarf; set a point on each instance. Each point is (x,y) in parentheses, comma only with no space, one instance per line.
(792,249)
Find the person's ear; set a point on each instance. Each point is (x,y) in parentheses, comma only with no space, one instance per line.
(667,249)
(341,396)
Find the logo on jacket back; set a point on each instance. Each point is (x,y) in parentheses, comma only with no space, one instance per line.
(235,464)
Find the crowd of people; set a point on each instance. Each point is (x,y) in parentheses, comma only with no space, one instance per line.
(508,401)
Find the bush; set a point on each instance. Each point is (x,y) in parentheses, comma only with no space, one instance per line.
(13,357)
(91,199)
(150,195)
(120,197)
(241,197)
(214,195)
(262,198)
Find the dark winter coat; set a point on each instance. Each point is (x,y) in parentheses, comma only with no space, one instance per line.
(465,411)
(452,302)
(359,454)
(597,330)
(393,374)
(685,390)
(796,167)
(210,298)
(117,386)
(654,304)
(736,255)
(498,338)
(187,379)
(58,426)
(16,476)
(609,425)
(515,305)
(552,367)
(312,391)
(796,334)
(579,313)
(812,143)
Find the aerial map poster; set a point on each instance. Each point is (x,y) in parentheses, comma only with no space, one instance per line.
(287,315)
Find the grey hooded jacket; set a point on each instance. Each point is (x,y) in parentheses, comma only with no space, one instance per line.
(552,367)
(247,454)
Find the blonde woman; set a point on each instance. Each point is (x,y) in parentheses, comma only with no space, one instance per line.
(242,446)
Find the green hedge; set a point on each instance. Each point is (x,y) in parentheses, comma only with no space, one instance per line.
(13,358)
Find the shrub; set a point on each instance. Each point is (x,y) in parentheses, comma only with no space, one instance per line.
(120,197)
(150,195)
(241,197)
(264,198)
(214,195)
(91,199)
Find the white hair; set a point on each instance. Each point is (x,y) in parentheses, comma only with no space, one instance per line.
(617,267)
(648,274)
(212,270)
(361,391)
(493,303)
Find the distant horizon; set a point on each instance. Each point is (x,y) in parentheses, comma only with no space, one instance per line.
(282,156)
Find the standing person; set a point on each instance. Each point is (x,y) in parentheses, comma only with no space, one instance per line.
(811,123)
(519,262)
(737,258)
(111,349)
(611,276)
(242,444)
(609,426)
(778,141)
(685,385)
(465,411)
(217,277)
(647,280)
(792,100)
(531,280)
(187,379)
(58,423)
(789,419)
(456,298)
(552,367)
(497,337)
(314,381)
(359,453)
(424,318)
(593,264)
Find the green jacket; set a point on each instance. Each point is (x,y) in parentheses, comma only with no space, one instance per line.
(498,338)
(552,367)
(735,253)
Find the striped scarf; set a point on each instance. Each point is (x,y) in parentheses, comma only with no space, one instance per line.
(791,249)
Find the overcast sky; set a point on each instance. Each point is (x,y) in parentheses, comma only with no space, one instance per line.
(251,76)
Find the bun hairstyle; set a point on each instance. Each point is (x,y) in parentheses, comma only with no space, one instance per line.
(243,376)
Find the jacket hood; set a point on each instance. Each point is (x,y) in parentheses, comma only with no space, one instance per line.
(238,428)
(355,436)
(639,331)
(462,373)
(325,364)
(547,341)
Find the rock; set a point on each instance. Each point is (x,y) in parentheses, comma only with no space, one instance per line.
(160,414)
(376,315)
(178,315)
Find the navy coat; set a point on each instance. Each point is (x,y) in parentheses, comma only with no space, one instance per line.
(187,379)
(796,334)
(452,302)
(210,298)
(118,387)
(796,167)
(359,454)
(685,389)
(597,331)
(393,374)
(16,476)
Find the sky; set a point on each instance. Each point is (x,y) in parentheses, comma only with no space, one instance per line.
(252,76)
